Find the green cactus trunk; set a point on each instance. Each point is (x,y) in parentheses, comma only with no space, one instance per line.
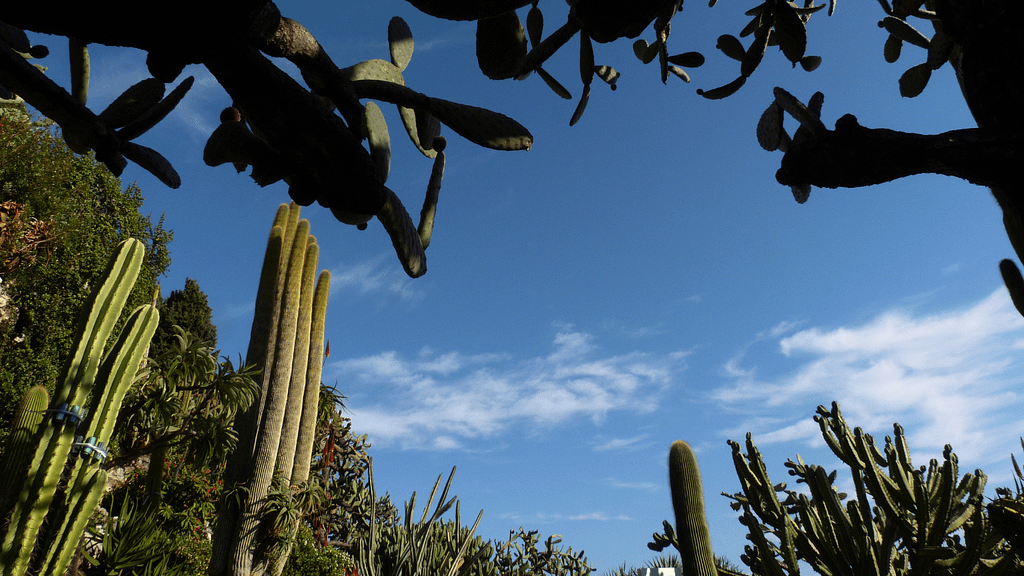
(310,377)
(236,472)
(111,374)
(97,320)
(688,503)
(300,358)
(314,368)
(287,337)
(268,436)
(115,377)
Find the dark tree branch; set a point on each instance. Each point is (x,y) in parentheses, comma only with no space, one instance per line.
(852,156)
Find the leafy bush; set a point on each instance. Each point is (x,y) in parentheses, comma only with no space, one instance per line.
(60,217)
(184,511)
(310,559)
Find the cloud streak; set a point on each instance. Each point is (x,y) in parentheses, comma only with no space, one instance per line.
(375,276)
(951,378)
(438,401)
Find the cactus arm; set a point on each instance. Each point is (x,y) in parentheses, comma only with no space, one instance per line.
(97,321)
(937,526)
(78,52)
(763,547)
(835,524)
(119,370)
(83,498)
(287,218)
(426,226)
(115,377)
(314,369)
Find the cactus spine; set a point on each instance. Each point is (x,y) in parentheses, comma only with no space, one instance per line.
(82,372)
(688,503)
(286,342)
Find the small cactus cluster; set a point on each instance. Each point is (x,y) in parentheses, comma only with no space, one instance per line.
(432,546)
(275,435)
(901,520)
(69,439)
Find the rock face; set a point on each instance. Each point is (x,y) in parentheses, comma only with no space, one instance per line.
(8,311)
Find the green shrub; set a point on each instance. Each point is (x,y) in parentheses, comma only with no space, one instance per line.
(311,559)
(60,217)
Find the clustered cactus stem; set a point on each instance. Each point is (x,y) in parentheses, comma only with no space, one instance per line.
(91,377)
(275,434)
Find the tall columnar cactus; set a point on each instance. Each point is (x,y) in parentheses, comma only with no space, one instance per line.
(88,376)
(287,344)
(692,532)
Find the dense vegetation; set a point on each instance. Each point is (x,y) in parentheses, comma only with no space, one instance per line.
(188,309)
(61,215)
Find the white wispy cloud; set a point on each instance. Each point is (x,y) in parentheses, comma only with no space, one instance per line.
(598,517)
(376,275)
(952,377)
(647,486)
(437,401)
(623,443)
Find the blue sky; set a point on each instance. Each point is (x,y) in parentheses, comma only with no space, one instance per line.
(632,280)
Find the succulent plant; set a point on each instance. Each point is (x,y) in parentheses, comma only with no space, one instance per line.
(92,378)
(692,531)
(902,519)
(287,344)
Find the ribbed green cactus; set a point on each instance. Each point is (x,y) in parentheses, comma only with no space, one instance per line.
(688,502)
(287,343)
(902,519)
(27,418)
(84,378)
